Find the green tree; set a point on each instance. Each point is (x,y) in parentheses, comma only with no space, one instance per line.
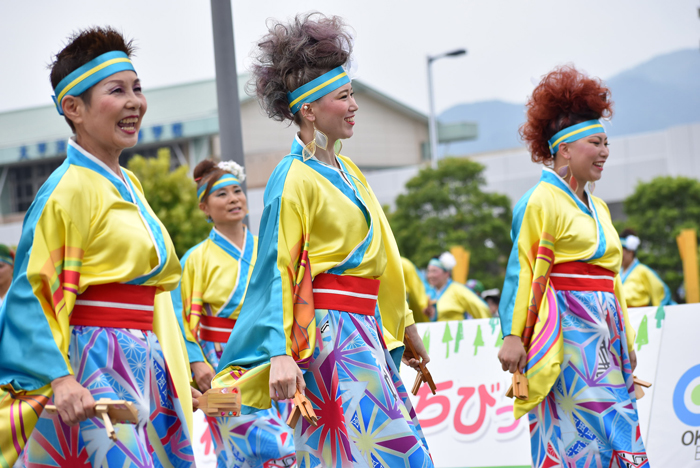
(447,338)
(658,210)
(447,206)
(173,198)
(642,334)
(660,316)
(459,336)
(478,339)
(426,340)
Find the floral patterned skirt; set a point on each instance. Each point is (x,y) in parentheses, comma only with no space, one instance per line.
(260,440)
(589,419)
(119,364)
(365,416)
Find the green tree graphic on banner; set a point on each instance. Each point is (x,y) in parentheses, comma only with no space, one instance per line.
(642,334)
(499,340)
(660,316)
(459,336)
(493,322)
(479,340)
(446,338)
(426,340)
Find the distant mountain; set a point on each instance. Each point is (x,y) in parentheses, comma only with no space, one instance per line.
(659,93)
(498,125)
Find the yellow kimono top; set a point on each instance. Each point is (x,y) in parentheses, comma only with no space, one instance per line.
(215,275)
(415,291)
(455,300)
(643,287)
(316,219)
(551,225)
(85,227)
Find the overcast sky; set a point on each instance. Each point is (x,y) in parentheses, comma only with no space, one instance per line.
(511,43)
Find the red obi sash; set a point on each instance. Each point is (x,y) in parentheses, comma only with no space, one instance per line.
(345,293)
(581,276)
(115,305)
(216,329)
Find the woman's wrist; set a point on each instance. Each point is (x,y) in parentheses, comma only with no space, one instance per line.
(280,357)
(62,379)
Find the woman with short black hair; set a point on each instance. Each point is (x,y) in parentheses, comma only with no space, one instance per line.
(88,314)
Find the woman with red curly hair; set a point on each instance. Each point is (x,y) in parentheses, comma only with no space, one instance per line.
(563,314)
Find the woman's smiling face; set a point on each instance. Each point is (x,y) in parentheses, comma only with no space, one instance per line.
(112,118)
(587,156)
(335,113)
(226,205)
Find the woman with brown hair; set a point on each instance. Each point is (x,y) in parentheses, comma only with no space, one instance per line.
(563,313)
(326,304)
(88,315)
(213,288)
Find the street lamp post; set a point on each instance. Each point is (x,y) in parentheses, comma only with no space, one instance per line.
(431,98)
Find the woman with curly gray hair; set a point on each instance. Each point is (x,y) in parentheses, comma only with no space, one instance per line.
(326,313)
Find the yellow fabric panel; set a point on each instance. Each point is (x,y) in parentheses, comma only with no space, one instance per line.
(396,315)
(337,229)
(415,291)
(643,288)
(56,237)
(458,299)
(167,330)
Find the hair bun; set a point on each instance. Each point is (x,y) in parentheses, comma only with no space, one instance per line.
(203,168)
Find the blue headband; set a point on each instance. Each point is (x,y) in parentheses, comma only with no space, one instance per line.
(575,132)
(316,89)
(437,263)
(87,76)
(6,256)
(223,181)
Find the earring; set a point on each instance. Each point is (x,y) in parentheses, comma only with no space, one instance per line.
(320,138)
(320,141)
(209,220)
(337,147)
(573,183)
(563,172)
(591,187)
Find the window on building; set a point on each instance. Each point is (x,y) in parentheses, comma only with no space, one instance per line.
(26,180)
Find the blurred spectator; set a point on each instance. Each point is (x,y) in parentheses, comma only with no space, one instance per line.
(415,291)
(475,285)
(451,300)
(492,298)
(7,264)
(641,285)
